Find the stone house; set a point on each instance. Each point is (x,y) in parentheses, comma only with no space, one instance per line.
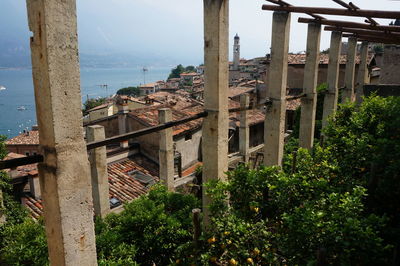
(26,143)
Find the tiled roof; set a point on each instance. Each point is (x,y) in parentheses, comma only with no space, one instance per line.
(190,74)
(293,104)
(122,186)
(28,138)
(25,170)
(236,91)
(255,117)
(149,116)
(300,59)
(102,106)
(148,85)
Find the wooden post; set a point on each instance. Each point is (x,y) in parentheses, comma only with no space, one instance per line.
(348,92)
(309,103)
(215,125)
(64,174)
(274,133)
(166,153)
(363,75)
(244,131)
(196,226)
(331,96)
(98,169)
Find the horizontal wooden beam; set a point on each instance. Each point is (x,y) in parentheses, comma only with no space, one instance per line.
(283,3)
(335,11)
(348,24)
(372,38)
(364,32)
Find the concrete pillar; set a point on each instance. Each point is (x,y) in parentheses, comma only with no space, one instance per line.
(331,96)
(244,131)
(166,153)
(98,167)
(363,75)
(2,215)
(215,125)
(274,133)
(309,102)
(64,174)
(123,110)
(348,92)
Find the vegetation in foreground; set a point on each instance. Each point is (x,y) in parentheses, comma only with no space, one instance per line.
(339,205)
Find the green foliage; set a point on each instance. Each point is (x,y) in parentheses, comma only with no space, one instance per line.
(148,231)
(295,214)
(321,91)
(92,103)
(179,69)
(130,91)
(365,141)
(24,244)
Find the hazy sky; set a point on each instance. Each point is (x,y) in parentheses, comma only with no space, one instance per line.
(170,28)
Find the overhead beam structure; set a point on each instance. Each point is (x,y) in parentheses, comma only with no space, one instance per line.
(364,32)
(335,11)
(370,38)
(348,24)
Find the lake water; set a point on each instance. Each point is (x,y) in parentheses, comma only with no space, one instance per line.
(19,91)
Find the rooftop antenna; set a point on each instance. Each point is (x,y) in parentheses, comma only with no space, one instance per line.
(104,86)
(144,74)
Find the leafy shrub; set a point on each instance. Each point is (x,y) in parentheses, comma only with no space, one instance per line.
(148,231)
(24,244)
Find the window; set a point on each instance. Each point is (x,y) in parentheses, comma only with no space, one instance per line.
(27,153)
(142,178)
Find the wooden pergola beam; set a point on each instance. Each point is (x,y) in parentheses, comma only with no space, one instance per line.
(335,11)
(395,36)
(283,3)
(372,38)
(339,23)
(352,6)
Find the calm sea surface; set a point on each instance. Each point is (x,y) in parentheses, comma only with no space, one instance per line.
(19,91)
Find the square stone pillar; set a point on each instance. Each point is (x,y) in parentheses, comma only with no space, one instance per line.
(123,110)
(331,96)
(64,174)
(274,133)
(244,131)
(166,153)
(309,102)
(348,92)
(215,125)
(2,215)
(99,173)
(363,74)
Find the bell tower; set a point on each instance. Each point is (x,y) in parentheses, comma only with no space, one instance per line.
(236,52)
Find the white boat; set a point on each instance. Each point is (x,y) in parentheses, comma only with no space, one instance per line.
(21,108)
(2,88)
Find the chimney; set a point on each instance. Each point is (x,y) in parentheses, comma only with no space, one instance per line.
(34,186)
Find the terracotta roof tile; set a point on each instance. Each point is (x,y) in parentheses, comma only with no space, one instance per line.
(28,138)
(122,186)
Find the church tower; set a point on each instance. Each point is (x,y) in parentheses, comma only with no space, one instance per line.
(236,52)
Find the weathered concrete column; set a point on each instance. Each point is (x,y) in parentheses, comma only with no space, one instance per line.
(64,174)
(123,110)
(274,133)
(363,75)
(98,167)
(331,96)
(166,153)
(215,125)
(2,216)
(348,92)
(309,102)
(244,131)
